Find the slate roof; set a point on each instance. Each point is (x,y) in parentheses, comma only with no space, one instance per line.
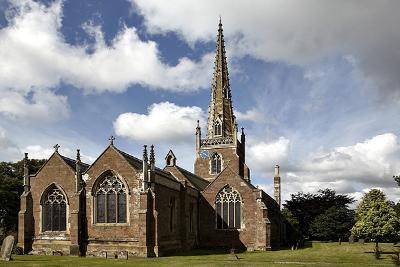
(195,180)
(138,164)
(72,163)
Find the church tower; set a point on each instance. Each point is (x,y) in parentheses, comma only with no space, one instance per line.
(220,148)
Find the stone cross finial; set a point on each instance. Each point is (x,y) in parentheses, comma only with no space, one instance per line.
(56,147)
(111,139)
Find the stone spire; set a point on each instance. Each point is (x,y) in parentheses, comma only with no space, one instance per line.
(221,121)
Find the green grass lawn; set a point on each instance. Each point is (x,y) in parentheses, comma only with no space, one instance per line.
(319,254)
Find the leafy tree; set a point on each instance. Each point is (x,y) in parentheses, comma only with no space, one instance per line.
(305,207)
(376,218)
(292,227)
(333,224)
(11,187)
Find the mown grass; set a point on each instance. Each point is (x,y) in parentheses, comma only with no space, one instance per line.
(319,254)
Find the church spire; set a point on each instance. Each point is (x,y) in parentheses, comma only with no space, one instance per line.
(221,121)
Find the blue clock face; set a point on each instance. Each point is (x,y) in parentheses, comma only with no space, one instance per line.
(204,154)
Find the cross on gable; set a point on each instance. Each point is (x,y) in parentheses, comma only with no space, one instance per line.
(111,139)
(56,147)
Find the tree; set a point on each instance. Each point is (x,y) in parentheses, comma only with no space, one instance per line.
(292,227)
(305,207)
(333,224)
(376,218)
(11,187)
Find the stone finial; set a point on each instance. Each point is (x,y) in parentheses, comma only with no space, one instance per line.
(78,171)
(145,158)
(56,147)
(78,155)
(111,139)
(277,170)
(26,173)
(243,130)
(152,155)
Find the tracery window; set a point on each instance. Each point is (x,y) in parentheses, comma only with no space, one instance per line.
(216,164)
(110,201)
(54,210)
(217,128)
(228,206)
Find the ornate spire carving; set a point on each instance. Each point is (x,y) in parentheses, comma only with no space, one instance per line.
(220,112)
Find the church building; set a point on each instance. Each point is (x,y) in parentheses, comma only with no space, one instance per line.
(122,206)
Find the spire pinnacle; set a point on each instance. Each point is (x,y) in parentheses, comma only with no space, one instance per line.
(221,103)
(145,158)
(152,156)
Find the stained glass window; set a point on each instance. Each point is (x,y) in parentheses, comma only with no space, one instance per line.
(54,211)
(228,208)
(110,201)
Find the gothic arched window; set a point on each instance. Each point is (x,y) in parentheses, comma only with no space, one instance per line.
(217,128)
(216,164)
(110,200)
(54,210)
(228,206)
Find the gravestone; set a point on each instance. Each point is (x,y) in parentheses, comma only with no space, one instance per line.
(74,250)
(7,247)
(111,255)
(122,255)
(232,255)
(351,239)
(361,241)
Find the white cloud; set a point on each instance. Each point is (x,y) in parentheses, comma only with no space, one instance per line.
(249,115)
(352,169)
(165,122)
(373,162)
(35,59)
(43,105)
(262,157)
(33,38)
(299,32)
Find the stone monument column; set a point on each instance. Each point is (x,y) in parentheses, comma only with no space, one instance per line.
(25,215)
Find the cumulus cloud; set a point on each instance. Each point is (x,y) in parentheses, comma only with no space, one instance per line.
(164,122)
(296,32)
(352,169)
(36,59)
(40,104)
(263,156)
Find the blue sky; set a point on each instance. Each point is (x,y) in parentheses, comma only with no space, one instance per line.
(316,84)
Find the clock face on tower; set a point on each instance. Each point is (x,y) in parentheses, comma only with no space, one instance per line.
(204,154)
